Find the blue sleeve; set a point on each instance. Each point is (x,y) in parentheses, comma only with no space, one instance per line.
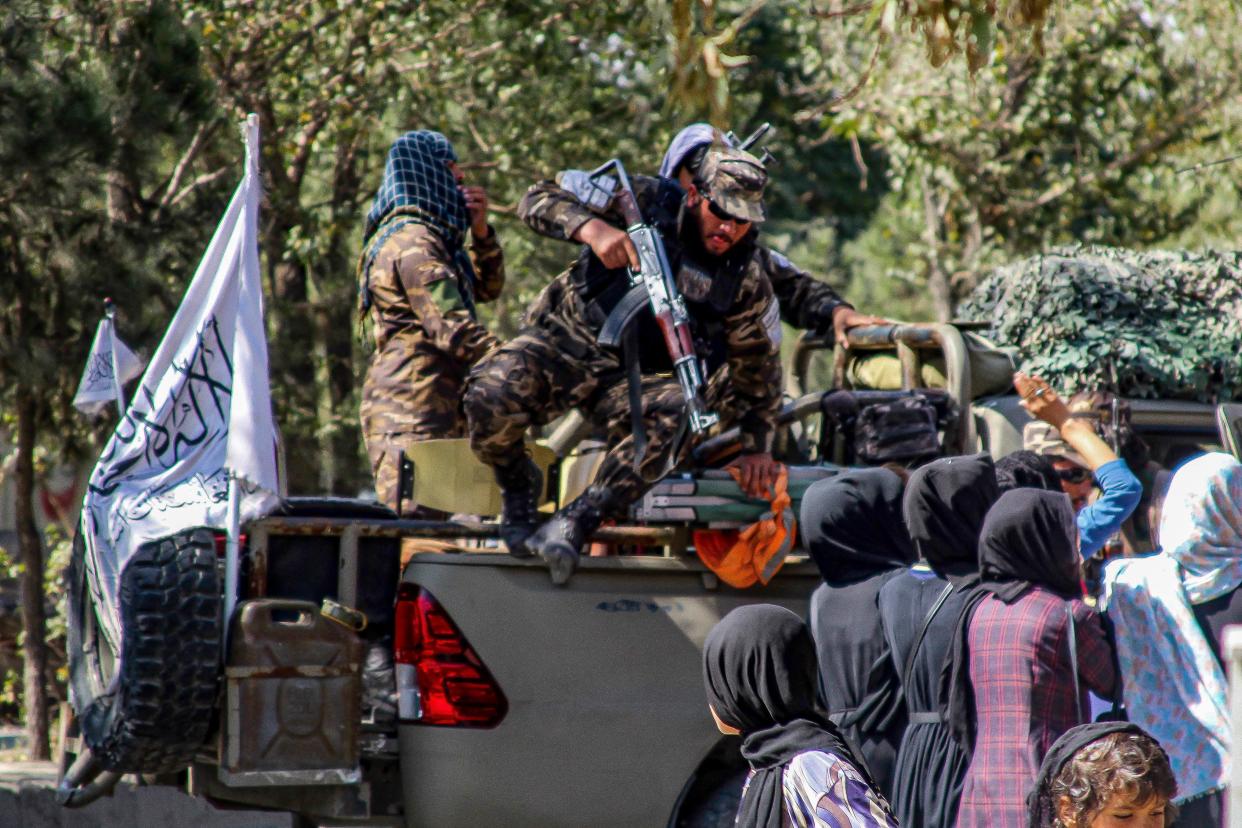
(1099,521)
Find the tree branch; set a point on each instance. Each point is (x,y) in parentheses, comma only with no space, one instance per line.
(169,187)
(1175,127)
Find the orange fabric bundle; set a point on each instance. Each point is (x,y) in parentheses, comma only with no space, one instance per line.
(752,555)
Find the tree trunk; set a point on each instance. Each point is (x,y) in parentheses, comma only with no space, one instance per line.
(933,230)
(35,647)
(325,405)
(293,370)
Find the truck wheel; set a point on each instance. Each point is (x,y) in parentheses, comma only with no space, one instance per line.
(155,714)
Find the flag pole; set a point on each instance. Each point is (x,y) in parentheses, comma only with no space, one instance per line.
(118,390)
(231,554)
(250,132)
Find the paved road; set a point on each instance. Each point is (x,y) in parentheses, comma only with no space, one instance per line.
(28,800)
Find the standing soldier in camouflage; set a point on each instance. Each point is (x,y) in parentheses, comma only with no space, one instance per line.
(806,302)
(419,287)
(556,363)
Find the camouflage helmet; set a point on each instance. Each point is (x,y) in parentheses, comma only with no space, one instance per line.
(1042,438)
(733,180)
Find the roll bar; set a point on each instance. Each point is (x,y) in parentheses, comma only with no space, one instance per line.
(908,340)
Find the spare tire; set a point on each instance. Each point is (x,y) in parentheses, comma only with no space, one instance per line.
(153,717)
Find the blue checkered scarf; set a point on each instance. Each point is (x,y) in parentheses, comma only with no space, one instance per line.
(418,187)
(415,176)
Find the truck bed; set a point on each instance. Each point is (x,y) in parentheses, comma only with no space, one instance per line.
(607,717)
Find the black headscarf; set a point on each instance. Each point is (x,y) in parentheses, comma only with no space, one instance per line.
(759,669)
(1026,469)
(944,507)
(1040,807)
(852,525)
(1029,538)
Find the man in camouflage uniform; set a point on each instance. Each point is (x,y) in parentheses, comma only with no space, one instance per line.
(419,286)
(806,302)
(557,363)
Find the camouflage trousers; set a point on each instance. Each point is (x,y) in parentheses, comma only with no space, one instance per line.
(384,450)
(529,381)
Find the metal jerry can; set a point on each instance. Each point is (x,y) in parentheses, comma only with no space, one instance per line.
(293,696)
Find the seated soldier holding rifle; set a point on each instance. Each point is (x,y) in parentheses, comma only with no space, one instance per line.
(642,384)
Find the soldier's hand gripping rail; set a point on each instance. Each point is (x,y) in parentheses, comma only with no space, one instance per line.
(655,284)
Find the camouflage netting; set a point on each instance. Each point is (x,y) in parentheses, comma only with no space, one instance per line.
(1148,324)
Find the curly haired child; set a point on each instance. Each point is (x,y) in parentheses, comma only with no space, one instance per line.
(1104,775)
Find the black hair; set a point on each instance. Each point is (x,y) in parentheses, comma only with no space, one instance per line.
(1026,470)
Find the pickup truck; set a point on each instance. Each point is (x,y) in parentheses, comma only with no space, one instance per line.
(462,687)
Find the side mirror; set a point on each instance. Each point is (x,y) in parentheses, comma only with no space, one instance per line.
(1229,424)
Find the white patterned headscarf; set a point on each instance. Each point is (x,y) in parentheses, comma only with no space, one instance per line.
(1201,525)
(1174,686)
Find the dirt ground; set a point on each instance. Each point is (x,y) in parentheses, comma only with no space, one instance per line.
(28,800)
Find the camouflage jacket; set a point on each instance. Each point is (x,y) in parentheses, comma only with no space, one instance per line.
(426,338)
(751,323)
(558,212)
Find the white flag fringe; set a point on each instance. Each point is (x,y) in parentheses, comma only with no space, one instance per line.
(110,365)
(201,415)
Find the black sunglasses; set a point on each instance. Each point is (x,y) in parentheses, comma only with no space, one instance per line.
(722,215)
(1078,475)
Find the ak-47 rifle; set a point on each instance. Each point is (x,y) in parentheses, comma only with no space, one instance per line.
(654,284)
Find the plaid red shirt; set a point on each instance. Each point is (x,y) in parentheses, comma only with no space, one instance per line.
(1024,696)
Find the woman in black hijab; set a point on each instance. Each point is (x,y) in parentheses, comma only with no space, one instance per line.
(852,526)
(759,671)
(944,506)
(1025,651)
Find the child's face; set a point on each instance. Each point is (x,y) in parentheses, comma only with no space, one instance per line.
(1122,812)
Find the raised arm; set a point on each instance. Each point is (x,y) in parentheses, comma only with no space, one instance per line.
(1121,490)
(489,265)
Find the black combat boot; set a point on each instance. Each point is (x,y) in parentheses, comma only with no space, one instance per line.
(519,491)
(560,540)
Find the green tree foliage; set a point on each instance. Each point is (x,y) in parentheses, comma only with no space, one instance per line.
(1080,143)
(319,75)
(52,134)
(93,107)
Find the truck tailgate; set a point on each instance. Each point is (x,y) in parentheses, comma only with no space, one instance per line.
(607,716)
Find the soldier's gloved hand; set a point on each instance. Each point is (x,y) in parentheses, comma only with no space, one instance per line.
(476,205)
(611,245)
(844,317)
(759,473)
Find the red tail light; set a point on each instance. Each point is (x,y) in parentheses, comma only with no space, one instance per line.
(221,540)
(440,679)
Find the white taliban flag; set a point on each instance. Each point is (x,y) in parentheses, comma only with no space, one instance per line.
(110,365)
(201,417)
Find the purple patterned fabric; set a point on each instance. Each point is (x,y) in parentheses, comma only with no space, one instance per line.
(823,790)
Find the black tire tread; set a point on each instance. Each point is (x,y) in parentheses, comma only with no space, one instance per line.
(170,671)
